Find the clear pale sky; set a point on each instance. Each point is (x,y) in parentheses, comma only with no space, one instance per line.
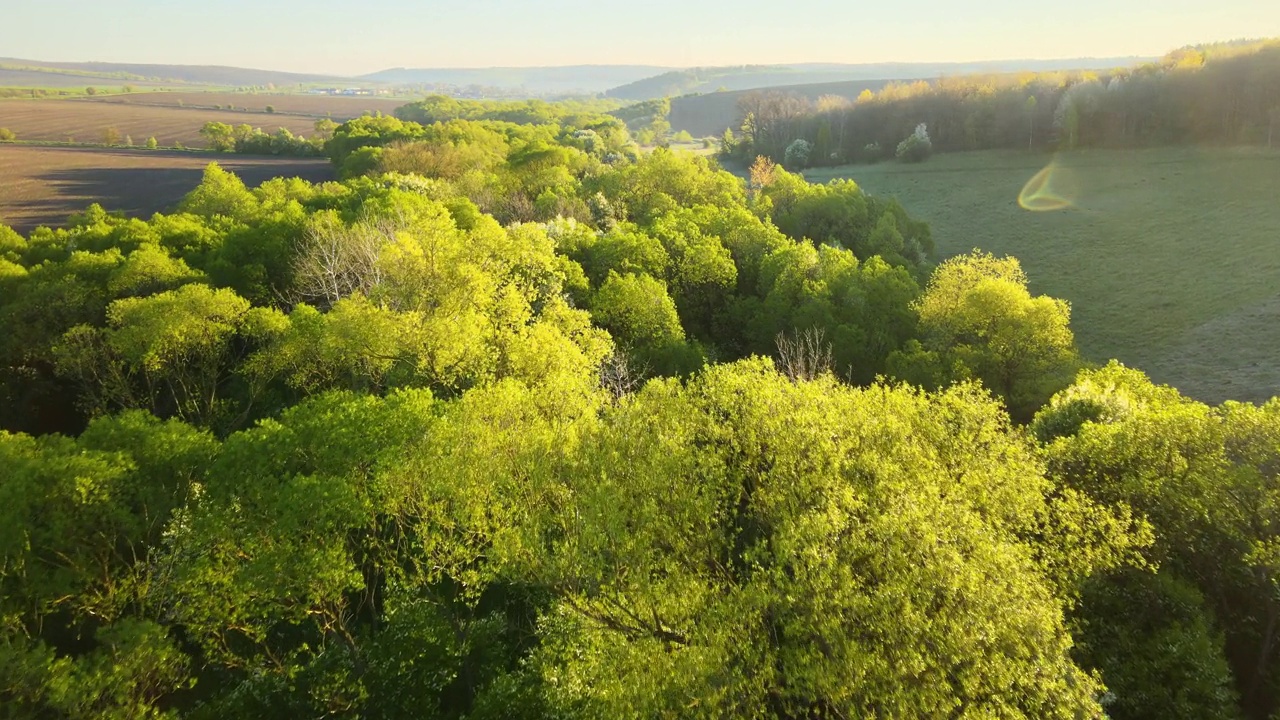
(358,36)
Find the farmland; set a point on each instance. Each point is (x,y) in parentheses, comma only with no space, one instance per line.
(43,185)
(1170,258)
(338,107)
(86,121)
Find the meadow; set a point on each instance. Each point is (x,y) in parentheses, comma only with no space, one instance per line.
(1170,257)
(44,185)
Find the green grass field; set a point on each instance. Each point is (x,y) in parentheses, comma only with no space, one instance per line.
(1170,257)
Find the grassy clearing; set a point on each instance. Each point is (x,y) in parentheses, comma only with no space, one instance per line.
(1170,258)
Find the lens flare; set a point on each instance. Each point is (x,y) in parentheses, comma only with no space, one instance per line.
(1048,191)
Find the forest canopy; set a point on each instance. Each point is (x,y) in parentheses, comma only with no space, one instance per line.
(517,420)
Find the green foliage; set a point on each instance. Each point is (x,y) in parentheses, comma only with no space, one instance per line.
(1205,479)
(979,321)
(729,605)
(400,446)
(7,135)
(637,309)
(1152,638)
(1177,100)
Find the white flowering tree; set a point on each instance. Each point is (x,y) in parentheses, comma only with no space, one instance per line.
(917,147)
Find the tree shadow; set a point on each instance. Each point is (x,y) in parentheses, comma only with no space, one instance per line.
(150,182)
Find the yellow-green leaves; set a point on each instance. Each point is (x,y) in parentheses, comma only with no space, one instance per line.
(979,320)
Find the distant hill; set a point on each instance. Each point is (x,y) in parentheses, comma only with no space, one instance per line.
(39,72)
(535,80)
(713,113)
(750,77)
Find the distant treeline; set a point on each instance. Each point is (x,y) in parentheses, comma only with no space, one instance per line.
(441,108)
(1224,93)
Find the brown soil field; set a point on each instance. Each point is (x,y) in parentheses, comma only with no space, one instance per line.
(44,185)
(336,106)
(85,121)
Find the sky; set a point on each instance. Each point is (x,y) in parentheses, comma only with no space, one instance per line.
(349,38)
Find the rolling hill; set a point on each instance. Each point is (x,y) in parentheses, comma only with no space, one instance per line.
(61,74)
(750,77)
(711,114)
(535,80)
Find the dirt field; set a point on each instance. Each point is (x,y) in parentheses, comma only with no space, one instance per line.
(86,120)
(338,107)
(43,185)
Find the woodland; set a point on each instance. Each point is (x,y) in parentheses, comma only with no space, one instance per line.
(519,419)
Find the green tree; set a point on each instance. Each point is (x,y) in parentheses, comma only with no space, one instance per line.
(173,353)
(797,154)
(745,561)
(218,136)
(1205,479)
(1030,106)
(637,310)
(978,320)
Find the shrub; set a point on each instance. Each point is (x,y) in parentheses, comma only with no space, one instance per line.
(271,108)
(7,135)
(917,147)
(797,155)
(873,153)
(682,137)
(152,143)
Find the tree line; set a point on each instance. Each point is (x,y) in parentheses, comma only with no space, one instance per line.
(1225,94)
(515,420)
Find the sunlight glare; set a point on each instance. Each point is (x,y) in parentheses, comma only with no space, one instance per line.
(1047,191)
